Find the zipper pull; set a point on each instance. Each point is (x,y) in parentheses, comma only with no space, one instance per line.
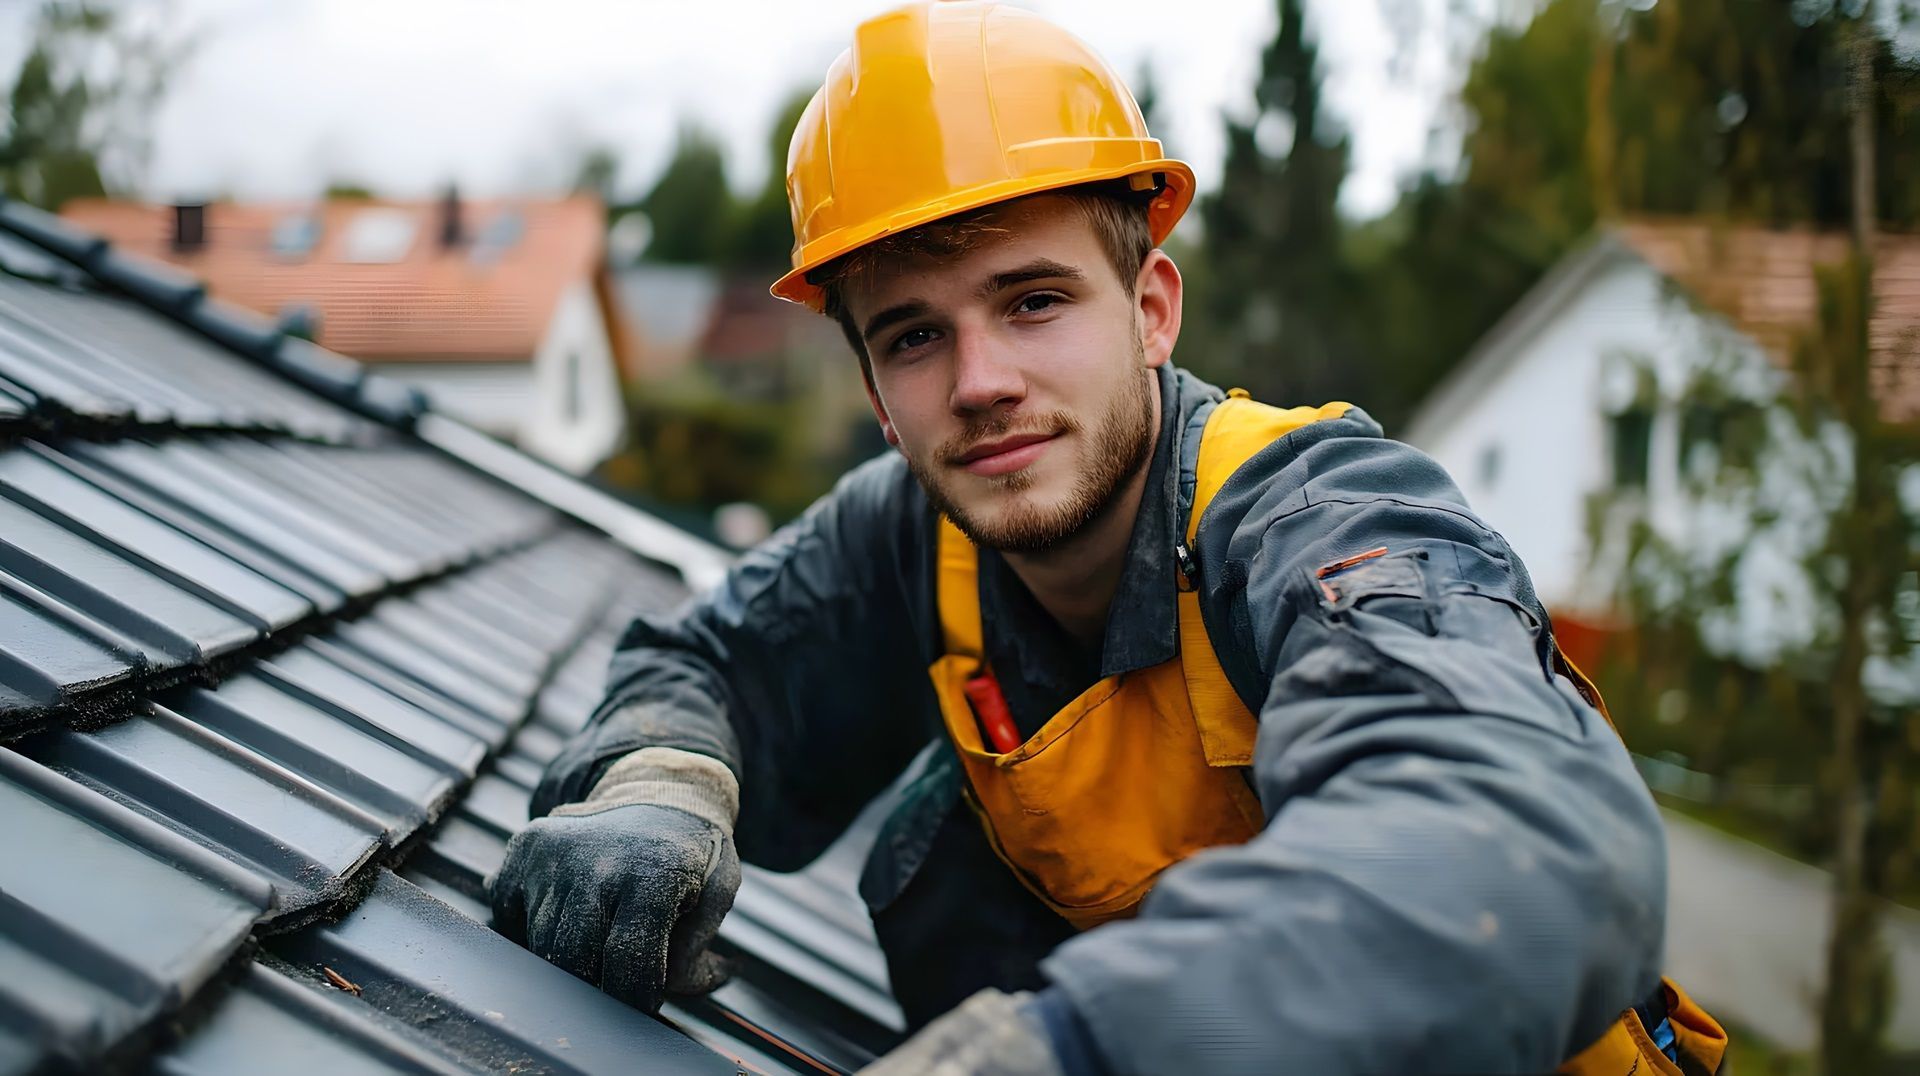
(1189,571)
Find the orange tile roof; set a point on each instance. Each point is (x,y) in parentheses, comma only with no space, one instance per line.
(1762,280)
(431,304)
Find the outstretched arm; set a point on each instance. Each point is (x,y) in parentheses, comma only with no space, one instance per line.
(1461,870)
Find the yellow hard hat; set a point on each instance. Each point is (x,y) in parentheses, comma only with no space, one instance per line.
(943,107)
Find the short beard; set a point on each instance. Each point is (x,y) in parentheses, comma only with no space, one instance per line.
(1120,447)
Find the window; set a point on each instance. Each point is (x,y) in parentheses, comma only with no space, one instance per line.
(1632,436)
(499,236)
(570,404)
(1721,434)
(295,235)
(379,235)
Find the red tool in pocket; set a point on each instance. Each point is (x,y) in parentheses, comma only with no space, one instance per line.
(990,706)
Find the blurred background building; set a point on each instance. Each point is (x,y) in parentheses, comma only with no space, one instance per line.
(1644,274)
(503,311)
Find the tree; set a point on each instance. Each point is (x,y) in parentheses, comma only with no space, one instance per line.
(81,106)
(1868,541)
(761,237)
(347,190)
(596,173)
(1810,468)
(1596,109)
(690,205)
(1272,283)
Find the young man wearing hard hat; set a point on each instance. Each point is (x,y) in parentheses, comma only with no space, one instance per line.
(1252,749)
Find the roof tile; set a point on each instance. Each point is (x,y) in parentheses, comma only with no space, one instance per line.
(1763,280)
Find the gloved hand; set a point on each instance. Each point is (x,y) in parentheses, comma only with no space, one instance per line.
(990,1034)
(627,889)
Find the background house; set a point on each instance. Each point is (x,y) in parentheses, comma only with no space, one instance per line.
(501,311)
(1554,404)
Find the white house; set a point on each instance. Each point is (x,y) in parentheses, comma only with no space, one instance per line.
(1573,391)
(501,311)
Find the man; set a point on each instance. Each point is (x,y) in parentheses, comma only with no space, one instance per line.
(1253,751)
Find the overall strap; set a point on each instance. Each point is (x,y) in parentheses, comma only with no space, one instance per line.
(1235,431)
(957,591)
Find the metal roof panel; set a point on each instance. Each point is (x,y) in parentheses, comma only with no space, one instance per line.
(136,919)
(272,1015)
(297,835)
(356,761)
(124,596)
(241,514)
(492,1001)
(35,482)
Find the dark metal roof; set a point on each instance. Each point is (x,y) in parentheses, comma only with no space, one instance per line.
(281,657)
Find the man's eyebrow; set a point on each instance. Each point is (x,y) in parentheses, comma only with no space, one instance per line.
(899,312)
(1043,269)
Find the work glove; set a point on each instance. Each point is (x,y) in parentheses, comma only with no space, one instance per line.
(628,888)
(990,1034)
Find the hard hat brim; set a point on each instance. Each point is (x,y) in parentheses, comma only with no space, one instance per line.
(1163,213)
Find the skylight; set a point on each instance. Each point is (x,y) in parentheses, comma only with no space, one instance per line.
(379,235)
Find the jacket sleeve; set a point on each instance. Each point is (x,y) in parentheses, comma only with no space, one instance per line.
(1461,870)
(802,671)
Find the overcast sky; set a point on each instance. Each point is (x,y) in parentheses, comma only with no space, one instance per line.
(282,96)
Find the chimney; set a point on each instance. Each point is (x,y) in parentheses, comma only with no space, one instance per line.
(453,230)
(189,227)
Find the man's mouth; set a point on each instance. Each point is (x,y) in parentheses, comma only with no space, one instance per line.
(1004,455)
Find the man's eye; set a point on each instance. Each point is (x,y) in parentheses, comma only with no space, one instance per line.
(1035,303)
(911,339)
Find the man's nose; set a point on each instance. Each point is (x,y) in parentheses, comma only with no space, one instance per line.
(983,377)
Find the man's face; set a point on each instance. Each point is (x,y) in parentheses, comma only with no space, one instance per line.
(1014,377)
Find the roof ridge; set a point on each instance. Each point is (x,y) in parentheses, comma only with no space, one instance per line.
(345,381)
(184,299)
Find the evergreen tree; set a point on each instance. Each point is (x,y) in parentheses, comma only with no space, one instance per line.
(1273,287)
(690,207)
(81,105)
(761,237)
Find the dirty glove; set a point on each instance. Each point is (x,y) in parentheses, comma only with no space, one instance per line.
(627,889)
(990,1034)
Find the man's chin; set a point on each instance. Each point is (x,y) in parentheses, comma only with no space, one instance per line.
(1016,522)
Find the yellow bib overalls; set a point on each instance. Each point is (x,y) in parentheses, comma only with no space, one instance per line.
(1177,738)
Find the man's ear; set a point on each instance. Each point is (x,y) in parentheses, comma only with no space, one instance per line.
(880,410)
(1157,298)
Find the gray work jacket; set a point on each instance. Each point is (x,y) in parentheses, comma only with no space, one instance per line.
(1461,870)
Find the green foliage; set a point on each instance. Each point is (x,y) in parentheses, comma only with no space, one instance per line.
(1274,291)
(689,207)
(79,110)
(1590,110)
(596,173)
(693,445)
(1789,500)
(761,236)
(344,190)
(697,220)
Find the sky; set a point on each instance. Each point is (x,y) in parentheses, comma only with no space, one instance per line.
(282,96)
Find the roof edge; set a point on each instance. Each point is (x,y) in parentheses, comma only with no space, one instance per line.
(1498,348)
(699,562)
